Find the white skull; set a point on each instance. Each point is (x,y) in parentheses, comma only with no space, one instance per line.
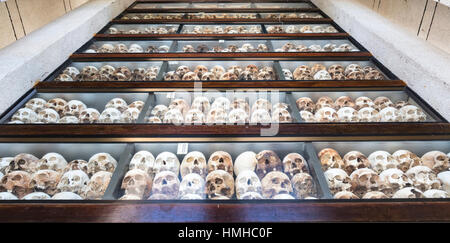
(382,160)
(436,161)
(153,119)
(135,48)
(179,104)
(74,108)
(192,184)
(307,116)
(25,115)
(130,115)
(36,104)
(423,178)
(118,103)
(368,114)
(101,162)
(217,115)
(173,116)
(281,115)
(322,75)
(97,185)
(347,114)
(138,183)
(247,181)
(221,102)
(7,196)
(106,48)
(394,180)
(245,161)
(66,196)
(71,71)
(201,103)
(194,162)
(110,115)
(36,196)
(56,104)
(48,116)
(52,161)
(166,183)
(411,113)
(238,116)
(406,159)
(260,116)
(143,160)
(159,111)
(166,161)
(73,181)
(89,115)
(262,104)
(444,177)
(365,180)
(362,102)
(433,193)
(389,114)
(326,114)
(354,160)
(194,116)
(4,163)
(274,183)
(137,104)
(337,180)
(408,192)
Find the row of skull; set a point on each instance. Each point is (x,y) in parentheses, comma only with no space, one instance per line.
(123,48)
(108,73)
(384,174)
(220,111)
(25,174)
(291,29)
(262,175)
(319,71)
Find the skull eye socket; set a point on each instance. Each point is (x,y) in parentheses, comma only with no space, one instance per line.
(218,181)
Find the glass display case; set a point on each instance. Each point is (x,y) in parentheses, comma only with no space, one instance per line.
(294,121)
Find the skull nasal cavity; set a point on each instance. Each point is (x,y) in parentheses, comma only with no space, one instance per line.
(221,160)
(164,182)
(195,162)
(267,161)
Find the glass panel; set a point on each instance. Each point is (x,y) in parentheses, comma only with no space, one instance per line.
(152,16)
(300,28)
(289,15)
(382,170)
(223,46)
(221,15)
(221,29)
(313,46)
(142,29)
(129,47)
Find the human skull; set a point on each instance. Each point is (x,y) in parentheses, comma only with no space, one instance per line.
(135,48)
(66,196)
(238,116)
(389,114)
(436,161)
(306,104)
(52,161)
(281,115)
(73,181)
(194,162)
(406,159)
(382,160)
(200,70)
(190,76)
(36,104)
(171,76)
(110,115)
(267,161)
(433,193)
(275,183)
(46,181)
(394,179)
(323,102)
(36,196)
(166,183)
(330,158)
(246,182)
(77,164)
(56,104)
(25,115)
(444,177)
(408,192)
(101,162)
(217,115)
(344,101)
(97,185)
(7,196)
(74,108)
(382,102)
(69,120)
(48,116)
(4,164)
(173,116)
(179,104)
(303,185)
(23,162)
(347,114)
(106,48)
(221,102)
(143,160)
(17,182)
(229,76)
(208,76)
(219,183)
(354,160)
(218,71)
(192,184)
(337,180)
(322,75)
(368,114)
(182,70)
(362,102)
(159,111)
(201,103)
(130,115)
(345,195)
(261,116)
(117,103)
(326,114)
(120,48)
(166,161)
(137,182)
(220,160)
(245,161)
(423,178)
(365,180)
(89,115)
(194,116)
(72,72)
(293,164)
